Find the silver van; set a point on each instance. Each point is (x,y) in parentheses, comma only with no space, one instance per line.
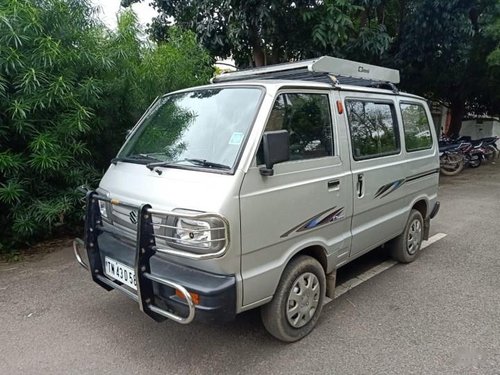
(252,191)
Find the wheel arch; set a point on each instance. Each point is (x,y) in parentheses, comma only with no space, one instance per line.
(317,252)
(421,205)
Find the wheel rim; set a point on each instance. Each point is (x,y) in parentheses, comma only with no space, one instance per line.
(414,236)
(451,162)
(303,300)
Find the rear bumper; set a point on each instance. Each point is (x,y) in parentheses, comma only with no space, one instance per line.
(165,289)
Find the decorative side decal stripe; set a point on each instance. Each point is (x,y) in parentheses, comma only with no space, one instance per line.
(385,190)
(323,218)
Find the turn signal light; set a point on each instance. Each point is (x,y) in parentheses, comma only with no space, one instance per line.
(340,107)
(194,296)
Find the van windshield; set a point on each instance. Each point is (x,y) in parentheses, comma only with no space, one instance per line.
(205,128)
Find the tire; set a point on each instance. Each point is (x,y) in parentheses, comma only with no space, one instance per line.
(456,166)
(496,152)
(280,316)
(475,163)
(489,153)
(406,247)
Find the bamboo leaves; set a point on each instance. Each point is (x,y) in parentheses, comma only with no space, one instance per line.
(69,90)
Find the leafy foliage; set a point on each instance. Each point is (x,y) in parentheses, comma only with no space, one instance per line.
(493,31)
(140,73)
(446,50)
(46,107)
(442,52)
(69,89)
(260,32)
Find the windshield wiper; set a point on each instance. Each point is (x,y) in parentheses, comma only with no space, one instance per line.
(133,158)
(197,162)
(208,164)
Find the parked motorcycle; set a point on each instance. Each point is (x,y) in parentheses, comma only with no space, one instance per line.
(451,160)
(455,154)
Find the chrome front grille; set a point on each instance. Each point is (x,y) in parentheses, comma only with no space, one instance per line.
(124,217)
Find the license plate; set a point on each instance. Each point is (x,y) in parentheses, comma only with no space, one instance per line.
(120,272)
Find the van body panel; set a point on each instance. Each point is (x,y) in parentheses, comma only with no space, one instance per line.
(274,212)
(389,183)
(305,203)
(279,215)
(181,189)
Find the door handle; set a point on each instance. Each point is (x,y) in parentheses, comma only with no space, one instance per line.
(333,185)
(361,185)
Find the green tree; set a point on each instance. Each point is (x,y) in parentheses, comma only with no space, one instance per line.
(142,71)
(49,59)
(442,52)
(493,31)
(261,32)
(69,90)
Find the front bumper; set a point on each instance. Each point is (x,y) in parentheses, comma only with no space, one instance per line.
(164,289)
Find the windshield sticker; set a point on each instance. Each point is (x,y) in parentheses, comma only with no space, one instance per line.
(236,138)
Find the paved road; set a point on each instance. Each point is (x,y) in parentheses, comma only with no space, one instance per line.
(440,314)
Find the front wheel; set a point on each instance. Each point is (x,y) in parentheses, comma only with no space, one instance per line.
(298,300)
(451,164)
(406,247)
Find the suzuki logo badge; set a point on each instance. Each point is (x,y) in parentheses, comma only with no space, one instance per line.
(133,217)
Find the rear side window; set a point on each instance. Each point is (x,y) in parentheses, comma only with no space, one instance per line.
(373,127)
(416,126)
(307,118)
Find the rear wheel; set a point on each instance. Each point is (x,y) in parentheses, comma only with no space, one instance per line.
(475,162)
(495,151)
(451,164)
(298,300)
(406,247)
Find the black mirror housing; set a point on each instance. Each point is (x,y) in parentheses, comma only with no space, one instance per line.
(276,147)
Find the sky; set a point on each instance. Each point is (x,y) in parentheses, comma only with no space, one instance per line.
(109,8)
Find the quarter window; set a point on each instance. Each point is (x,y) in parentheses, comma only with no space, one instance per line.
(308,120)
(373,128)
(416,127)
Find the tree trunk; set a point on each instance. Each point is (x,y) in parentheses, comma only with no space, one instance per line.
(457,110)
(363,18)
(381,14)
(274,58)
(259,57)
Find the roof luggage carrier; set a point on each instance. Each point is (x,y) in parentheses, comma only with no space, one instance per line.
(325,69)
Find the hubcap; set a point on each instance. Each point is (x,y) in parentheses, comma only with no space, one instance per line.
(414,236)
(303,300)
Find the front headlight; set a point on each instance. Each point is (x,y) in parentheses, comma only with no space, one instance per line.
(194,233)
(104,207)
(199,235)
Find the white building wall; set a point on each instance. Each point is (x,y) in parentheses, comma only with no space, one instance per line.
(477,129)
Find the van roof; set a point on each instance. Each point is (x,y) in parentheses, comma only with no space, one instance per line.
(276,84)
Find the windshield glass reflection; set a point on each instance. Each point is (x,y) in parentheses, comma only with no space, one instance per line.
(204,125)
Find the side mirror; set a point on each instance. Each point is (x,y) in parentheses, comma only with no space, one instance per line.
(276,150)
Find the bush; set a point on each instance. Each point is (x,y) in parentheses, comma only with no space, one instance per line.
(69,90)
